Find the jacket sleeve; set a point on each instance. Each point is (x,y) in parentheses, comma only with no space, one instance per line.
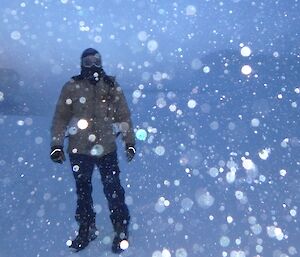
(123,116)
(61,118)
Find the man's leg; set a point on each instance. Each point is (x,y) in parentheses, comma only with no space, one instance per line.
(82,166)
(114,192)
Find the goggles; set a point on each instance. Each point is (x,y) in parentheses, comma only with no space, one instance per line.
(91,60)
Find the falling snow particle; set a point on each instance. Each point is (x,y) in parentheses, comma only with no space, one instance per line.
(75,168)
(284,143)
(293,212)
(190,10)
(68,101)
(92,138)
(181,252)
(245,51)
(204,199)
(246,70)
(282,172)
(82,124)
(248,164)
(237,254)
(159,150)
(38,140)
(141,134)
(255,122)
(82,100)
(230,176)
(142,36)
(187,204)
(165,253)
(264,153)
(152,45)
(15,35)
(214,172)
(98,39)
(275,232)
(239,195)
(97,150)
(161,102)
(124,244)
(196,64)
(206,69)
(229,219)
(172,107)
(214,125)
(72,130)
(69,243)
(192,104)
(224,241)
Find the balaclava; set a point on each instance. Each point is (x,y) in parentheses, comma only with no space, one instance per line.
(92,73)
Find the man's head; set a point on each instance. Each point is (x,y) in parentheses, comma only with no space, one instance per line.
(91,58)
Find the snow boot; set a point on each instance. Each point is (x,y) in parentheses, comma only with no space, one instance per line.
(120,241)
(82,239)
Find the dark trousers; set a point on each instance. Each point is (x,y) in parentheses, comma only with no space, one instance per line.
(83,166)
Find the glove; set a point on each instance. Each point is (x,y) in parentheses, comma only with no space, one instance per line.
(130,152)
(57,154)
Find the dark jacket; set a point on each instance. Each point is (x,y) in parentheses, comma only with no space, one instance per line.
(89,112)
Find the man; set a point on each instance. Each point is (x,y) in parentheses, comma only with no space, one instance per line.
(89,107)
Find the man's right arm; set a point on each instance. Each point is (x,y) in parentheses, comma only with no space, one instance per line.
(61,118)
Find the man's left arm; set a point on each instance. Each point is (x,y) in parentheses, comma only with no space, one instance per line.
(123,117)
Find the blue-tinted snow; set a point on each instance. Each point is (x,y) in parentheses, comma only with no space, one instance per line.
(214,89)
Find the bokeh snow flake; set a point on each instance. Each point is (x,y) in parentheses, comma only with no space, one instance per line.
(76,168)
(160,150)
(82,124)
(246,70)
(213,172)
(255,122)
(190,10)
(165,253)
(69,101)
(15,35)
(181,252)
(192,103)
(92,138)
(275,232)
(187,204)
(161,102)
(204,198)
(237,253)
(124,244)
(248,164)
(245,51)
(231,176)
(152,45)
(72,130)
(224,241)
(264,153)
(98,39)
(97,150)
(283,172)
(206,69)
(38,140)
(196,64)
(143,36)
(141,134)
(161,204)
